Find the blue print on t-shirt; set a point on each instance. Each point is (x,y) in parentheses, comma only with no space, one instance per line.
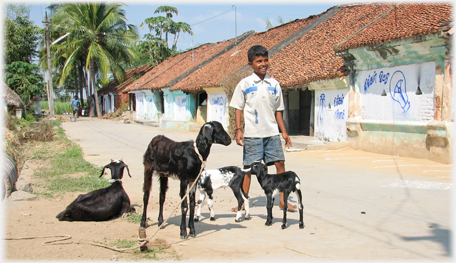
(251,89)
(256,117)
(272,89)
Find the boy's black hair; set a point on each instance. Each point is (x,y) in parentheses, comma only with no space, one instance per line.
(257,50)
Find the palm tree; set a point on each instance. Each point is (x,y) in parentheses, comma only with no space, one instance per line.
(176,29)
(100,39)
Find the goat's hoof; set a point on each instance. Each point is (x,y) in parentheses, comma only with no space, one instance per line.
(268,223)
(247,218)
(184,237)
(284,226)
(212,218)
(237,220)
(196,219)
(301,225)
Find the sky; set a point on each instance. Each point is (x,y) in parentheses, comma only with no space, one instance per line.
(210,22)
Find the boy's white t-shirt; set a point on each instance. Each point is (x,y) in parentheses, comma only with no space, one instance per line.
(259,100)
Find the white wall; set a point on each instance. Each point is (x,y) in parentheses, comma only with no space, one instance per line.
(217,108)
(331,112)
(399,84)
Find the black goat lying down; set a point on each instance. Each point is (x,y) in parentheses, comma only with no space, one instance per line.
(285,183)
(182,161)
(101,204)
(211,180)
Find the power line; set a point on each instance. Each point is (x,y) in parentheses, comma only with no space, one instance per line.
(212,17)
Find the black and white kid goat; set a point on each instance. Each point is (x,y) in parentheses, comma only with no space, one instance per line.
(182,161)
(101,204)
(272,184)
(211,180)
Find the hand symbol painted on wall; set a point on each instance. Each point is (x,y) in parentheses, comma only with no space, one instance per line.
(398,90)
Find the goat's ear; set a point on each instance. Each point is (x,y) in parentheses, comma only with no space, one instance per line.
(102,172)
(208,130)
(128,170)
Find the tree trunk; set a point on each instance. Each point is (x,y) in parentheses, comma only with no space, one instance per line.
(95,92)
(81,85)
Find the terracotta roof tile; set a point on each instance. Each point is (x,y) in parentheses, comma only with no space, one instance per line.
(312,57)
(408,20)
(227,64)
(170,69)
(130,75)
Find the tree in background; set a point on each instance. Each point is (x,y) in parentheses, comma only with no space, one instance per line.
(269,24)
(100,42)
(155,45)
(22,37)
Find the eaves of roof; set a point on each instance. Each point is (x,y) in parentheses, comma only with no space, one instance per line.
(312,57)
(183,64)
(130,76)
(230,63)
(402,21)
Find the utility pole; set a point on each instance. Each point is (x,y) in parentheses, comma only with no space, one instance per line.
(50,94)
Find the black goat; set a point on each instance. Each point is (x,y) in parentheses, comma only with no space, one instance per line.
(182,161)
(211,180)
(101,204)
(285,183)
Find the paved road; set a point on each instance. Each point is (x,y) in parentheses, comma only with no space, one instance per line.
(358,205)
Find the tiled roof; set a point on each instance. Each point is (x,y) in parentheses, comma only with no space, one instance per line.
(303,50)
(172,68)
(130,75)
(229,63)
(312,57)
(402,21)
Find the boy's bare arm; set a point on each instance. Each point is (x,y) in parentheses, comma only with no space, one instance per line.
(279,119)
(239,135)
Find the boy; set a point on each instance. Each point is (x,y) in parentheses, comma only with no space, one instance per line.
(258,98)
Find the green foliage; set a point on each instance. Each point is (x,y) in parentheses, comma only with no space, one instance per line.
(25,79)
(164,25)
(21,35)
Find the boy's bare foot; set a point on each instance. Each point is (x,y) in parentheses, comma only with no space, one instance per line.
(290,207)
(234,209)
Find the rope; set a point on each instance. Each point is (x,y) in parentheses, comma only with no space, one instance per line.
(143,242)
(203,165)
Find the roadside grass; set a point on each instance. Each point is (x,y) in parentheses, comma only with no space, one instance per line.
(157,250)
(65,169)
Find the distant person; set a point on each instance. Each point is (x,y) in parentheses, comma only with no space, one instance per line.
(75,105)
(258,98)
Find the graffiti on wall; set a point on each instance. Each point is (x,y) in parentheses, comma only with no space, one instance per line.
(398,90)
(321,115)
(219,107)
(397,86)
(180,107)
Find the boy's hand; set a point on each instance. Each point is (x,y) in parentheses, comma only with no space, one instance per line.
(287,140)
(239,138)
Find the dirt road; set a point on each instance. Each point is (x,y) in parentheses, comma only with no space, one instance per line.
(358,205)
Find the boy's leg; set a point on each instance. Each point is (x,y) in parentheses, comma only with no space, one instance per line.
(280,167)
(245,186)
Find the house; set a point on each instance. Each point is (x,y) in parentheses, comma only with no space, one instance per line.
(330,67)
(12,102)
(175,110)
(111,95)
(400,100)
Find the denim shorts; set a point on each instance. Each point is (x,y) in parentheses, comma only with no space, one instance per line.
(268,149)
